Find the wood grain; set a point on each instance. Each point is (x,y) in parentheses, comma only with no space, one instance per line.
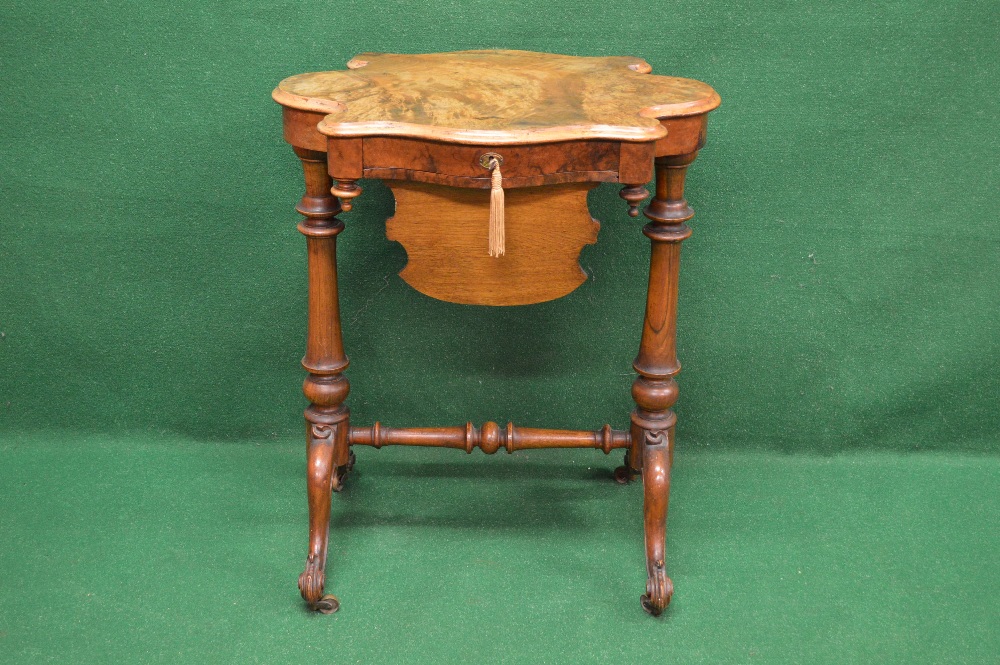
(496,97)
(521,163)
(528,165)
(445,231)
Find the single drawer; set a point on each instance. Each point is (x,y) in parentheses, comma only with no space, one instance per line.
(464,160)
(461,165)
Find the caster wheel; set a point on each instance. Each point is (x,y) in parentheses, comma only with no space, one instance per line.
(623,475)
(659,591)
(328,604)
(648,606)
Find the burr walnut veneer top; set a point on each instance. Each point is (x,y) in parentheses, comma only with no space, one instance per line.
(495,97)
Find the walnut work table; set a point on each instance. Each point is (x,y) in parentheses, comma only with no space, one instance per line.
(490,155)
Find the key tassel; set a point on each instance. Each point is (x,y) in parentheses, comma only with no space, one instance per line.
(496,210)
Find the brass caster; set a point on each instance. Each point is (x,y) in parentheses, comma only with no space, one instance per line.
(623,475)
(340,474)
(337,482)
(648,606)
(654,603)
(328,604)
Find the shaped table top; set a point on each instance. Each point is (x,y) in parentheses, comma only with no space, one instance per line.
(495,97)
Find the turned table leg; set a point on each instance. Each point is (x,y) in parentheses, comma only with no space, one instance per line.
(327,425)
(654,389)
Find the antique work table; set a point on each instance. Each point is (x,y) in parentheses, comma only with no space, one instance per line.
(490,155)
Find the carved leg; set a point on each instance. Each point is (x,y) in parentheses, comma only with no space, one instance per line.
(319,477)
(654,389)
(326,388)
(656,498)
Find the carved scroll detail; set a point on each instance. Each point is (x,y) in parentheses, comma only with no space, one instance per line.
(321,431)
(656,437)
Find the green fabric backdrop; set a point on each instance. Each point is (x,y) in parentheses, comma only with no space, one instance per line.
(840,290)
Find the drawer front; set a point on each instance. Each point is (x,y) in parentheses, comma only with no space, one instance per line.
(414,159)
